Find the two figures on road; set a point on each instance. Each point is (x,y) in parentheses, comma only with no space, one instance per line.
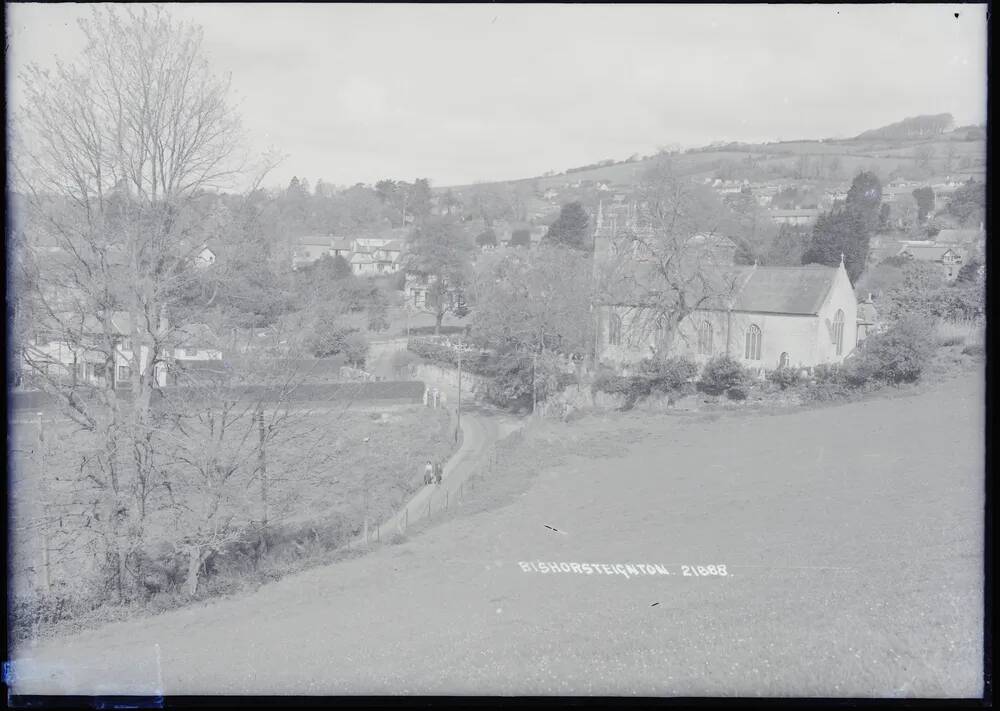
(433,473)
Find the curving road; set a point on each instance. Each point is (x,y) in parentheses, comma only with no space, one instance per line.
(479,432)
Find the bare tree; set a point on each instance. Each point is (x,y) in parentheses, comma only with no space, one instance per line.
(111,156)
(671,261)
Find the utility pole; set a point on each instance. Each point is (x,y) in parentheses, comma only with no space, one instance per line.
(262,462)
(458,427)
(534,383)
(367,468)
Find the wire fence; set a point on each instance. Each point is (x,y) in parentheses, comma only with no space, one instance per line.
(440,501)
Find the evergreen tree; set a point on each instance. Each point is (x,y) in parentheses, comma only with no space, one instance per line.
(571,228)
(847,231)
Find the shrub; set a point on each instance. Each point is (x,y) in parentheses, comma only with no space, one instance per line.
(722,373)
(945,341)
(670,374)
(974,349)
(827,373)
(784,377)
(736,393)
(826,391)
(898,355)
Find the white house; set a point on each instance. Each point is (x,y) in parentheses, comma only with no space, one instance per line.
(363,264)
(86,358)
(802,216)
(196,342)
(948,258)
(204,258)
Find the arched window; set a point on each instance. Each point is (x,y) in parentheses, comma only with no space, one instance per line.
(838,331)
(615,330)
(705,338)
(753,343)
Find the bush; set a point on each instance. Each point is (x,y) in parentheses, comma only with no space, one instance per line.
(946,341)
(827,373)
(898,355)
(974,349)
(784,377)
(826,391)
(736,393)
(722,373)
(668,375)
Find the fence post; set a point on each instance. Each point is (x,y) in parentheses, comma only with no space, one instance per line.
(446,501)
(406,518)
(428,508)
(378,535)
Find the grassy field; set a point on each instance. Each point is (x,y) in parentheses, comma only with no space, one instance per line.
(852,537)
(884,156)
(320,486)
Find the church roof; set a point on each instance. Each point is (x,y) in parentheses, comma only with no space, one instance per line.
(779,290)
(786,290)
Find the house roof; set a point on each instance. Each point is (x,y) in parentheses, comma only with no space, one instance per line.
(361,258)
(393,246)
(196,334)
(341,243)
(803,212)
(958,236)
(314,241)
(926,254)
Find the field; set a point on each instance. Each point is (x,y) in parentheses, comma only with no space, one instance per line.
(322,481)
(851,535)
(883,156)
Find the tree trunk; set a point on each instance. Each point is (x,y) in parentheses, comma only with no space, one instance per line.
(438,318)
(194,567)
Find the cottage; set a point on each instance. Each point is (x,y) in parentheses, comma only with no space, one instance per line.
(341,247)
(801,216)
(363,264)
(765,317)
(205,257)
(949,259)
(197,342)
(309,249)
(87,359)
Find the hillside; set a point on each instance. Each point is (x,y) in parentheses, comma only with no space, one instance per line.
(881,150)
(853,567)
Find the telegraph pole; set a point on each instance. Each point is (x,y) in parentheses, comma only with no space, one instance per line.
(367,468)
(458,427)
(534,383)
(262,462)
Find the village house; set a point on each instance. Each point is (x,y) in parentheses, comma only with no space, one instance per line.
(415,290)
(205,257)
(341,247)
(949,259)
(196,342)
(968,242)
(85,359)
(309,249)
(801,216)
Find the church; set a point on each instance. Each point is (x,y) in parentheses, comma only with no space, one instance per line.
(765,317)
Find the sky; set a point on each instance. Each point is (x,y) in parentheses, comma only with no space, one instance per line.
(466,93)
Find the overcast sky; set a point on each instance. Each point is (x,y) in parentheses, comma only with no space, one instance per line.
(460,93)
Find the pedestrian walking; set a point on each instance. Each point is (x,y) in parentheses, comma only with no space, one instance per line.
(429,473)
(438,472)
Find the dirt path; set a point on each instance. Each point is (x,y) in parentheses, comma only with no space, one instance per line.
(479,433)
